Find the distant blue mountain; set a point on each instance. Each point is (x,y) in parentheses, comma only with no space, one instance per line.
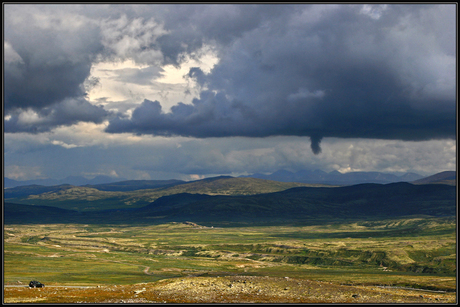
(303,176)
(73,180)
(439,177)
(337,178)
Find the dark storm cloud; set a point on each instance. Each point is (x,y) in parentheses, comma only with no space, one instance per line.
(192,26)
(48,57)
(350,71)
(206,118)
(66,113)
(53,57)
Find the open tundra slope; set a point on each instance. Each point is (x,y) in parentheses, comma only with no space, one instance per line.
(237,186)
(86,198)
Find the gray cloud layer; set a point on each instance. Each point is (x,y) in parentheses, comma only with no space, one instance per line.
(348,71)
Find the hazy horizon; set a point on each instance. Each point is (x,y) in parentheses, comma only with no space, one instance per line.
(398,174)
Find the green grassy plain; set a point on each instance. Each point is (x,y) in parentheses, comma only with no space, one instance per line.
(413,252)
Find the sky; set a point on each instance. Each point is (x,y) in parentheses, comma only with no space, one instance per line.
(188,91)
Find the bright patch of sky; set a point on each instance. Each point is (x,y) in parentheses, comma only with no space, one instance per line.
(126,82)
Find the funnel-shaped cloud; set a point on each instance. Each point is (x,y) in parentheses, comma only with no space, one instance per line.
(315,141)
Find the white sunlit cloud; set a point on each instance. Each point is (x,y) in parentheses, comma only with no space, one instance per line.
(30,117)
(65,145)
(10,55)
(133,38)
(169,86)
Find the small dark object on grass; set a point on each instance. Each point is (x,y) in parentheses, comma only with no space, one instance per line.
(36,284)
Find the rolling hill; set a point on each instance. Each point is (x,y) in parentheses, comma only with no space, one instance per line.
(301,204)
(128,194)
(358,201)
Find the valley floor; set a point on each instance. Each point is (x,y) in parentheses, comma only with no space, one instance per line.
(409,260)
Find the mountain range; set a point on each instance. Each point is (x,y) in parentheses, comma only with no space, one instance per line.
(447,177)
(73,180)
(304,176)
(336,177)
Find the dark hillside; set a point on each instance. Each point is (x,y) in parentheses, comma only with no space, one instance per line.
(173,202)
(26,214)
(359,202)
